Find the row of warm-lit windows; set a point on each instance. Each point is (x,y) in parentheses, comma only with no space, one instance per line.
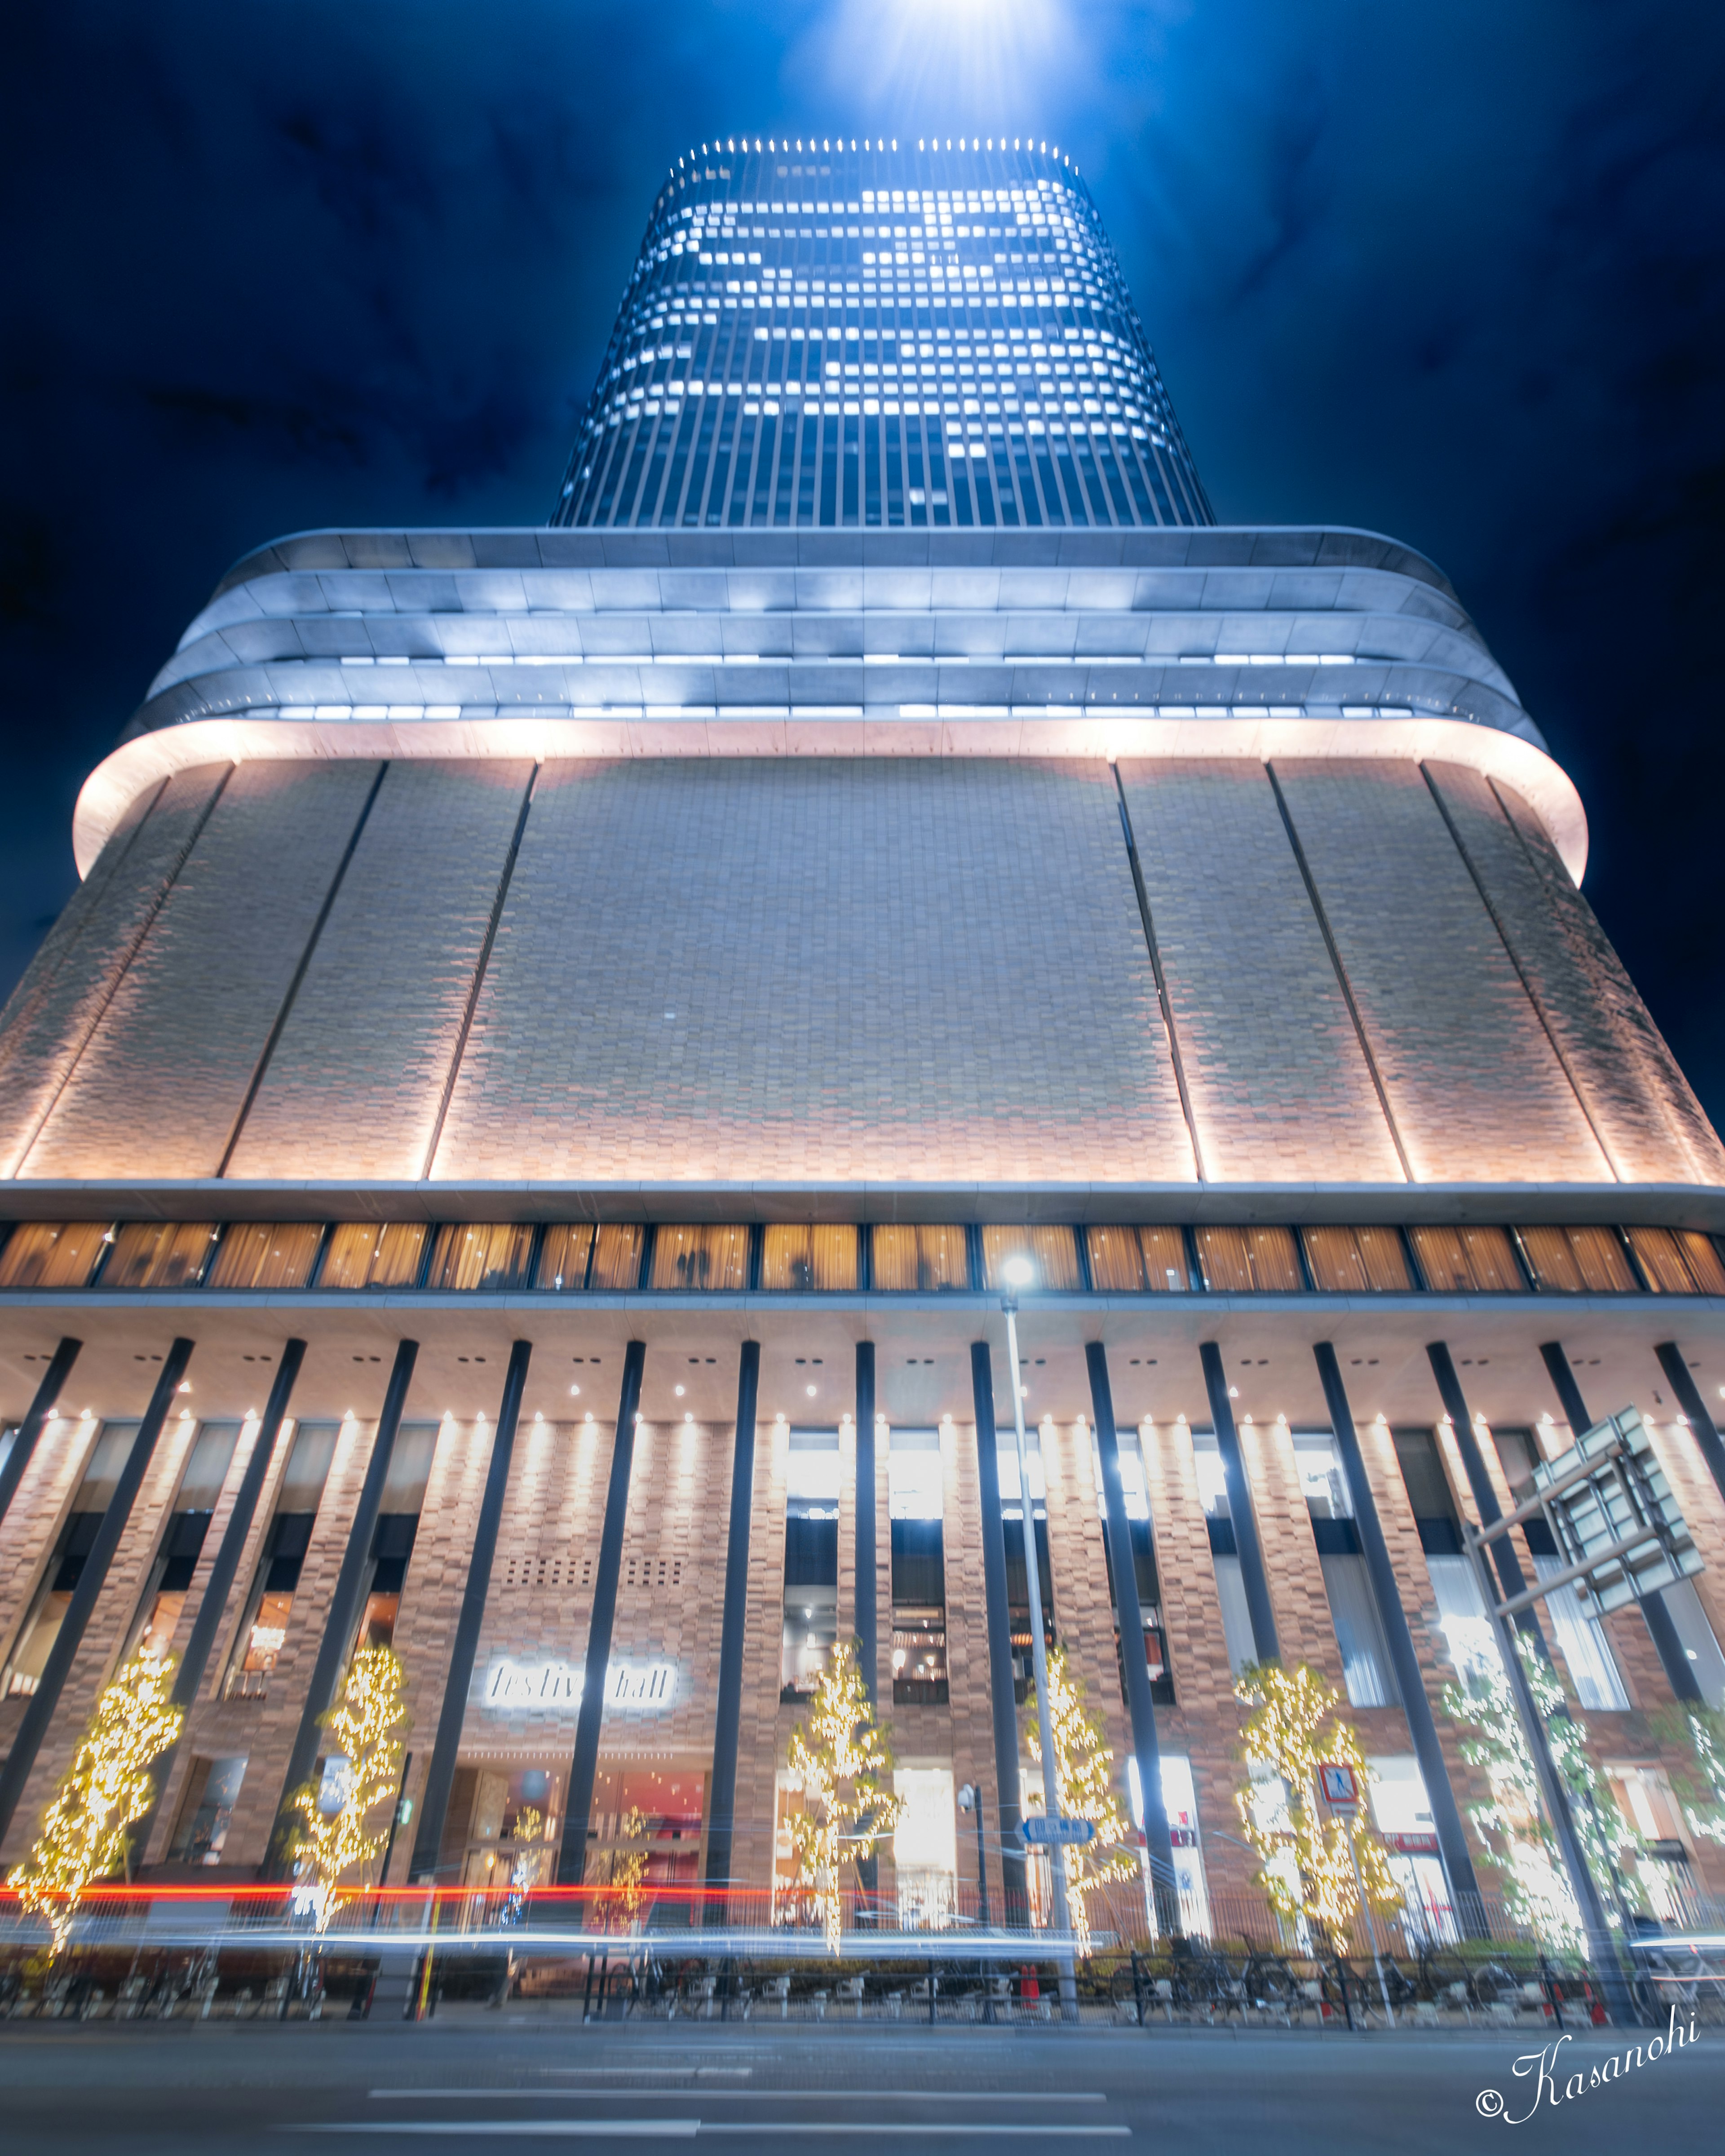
(841,1258)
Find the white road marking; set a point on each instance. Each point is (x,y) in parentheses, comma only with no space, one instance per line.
(685,2129)
(827,2095)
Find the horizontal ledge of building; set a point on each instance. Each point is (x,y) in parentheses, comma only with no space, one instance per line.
(1203,1307)
(146,759)
(1198,547)
(998,1205)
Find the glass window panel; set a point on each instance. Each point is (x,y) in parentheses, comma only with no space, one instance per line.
(1662,1259)
(1581,1640)
(1553,1261)
(1355,1261)
(1237,1634)
(1117,1264)
(563,1256)
(258,1254)
(1164,1250)
(703,1258)
(1468,1260)
(1601,1260)
(308,1467)
(1321,1477)
(913,1475)
(1052,1253)
(799,1258)
(1359,1633)
(362,1254)
(1249,1260)
(617,1255)
(491,1256)
(158,1253)
(1704,1262)
(909,1261)
(207,1467)
(45,1253)
(409,1468)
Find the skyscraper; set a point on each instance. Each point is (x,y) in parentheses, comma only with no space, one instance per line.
(514,1145)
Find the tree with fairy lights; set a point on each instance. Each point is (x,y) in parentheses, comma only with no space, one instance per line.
(1315,1861)
(366,1731)
(1084,1782)
(107,1789)
(1518,1842)
(844,1764)
(1701,1731)
(628,1867)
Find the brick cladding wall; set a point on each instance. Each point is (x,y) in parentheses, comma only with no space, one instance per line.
(841,943)
(357,1076)
(1476,1092)
(50,1014)
(1652,1124)
(670,1603)
(161,1085)
(1280,1089)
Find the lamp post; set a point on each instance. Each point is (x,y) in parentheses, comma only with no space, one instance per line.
(1019,1273)
(970,1799)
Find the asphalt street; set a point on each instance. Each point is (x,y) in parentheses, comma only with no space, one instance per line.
(490,2086)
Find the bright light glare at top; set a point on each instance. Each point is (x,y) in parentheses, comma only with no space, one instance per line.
(991,64)
(1018,1272)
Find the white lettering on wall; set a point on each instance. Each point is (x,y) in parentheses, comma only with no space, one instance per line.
(553,1687)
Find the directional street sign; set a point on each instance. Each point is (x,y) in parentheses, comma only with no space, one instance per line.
(1039,1832)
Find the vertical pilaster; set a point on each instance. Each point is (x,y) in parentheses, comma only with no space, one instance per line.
(40,1712)
(1701,1426)
(1446,1816)
(578,1804)
(721,1809)
(1247,1546)
(1510,1574)
(867,1612)
(1142,1707)
(1000,1683)
(30,1428)
(344,1603)
(434,1802)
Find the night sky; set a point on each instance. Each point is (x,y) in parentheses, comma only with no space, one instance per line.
(1453,274)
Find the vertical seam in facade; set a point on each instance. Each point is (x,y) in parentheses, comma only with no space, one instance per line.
(125,965)
(280,1023)
(479,972)
(1162,994)
(1522,974)
(1342,980)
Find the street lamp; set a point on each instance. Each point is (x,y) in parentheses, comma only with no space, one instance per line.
(970,1799)
(1018,1272)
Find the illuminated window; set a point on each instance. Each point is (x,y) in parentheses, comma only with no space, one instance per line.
(1350,1260)
(41,1254)
(811,1559)
(1578,1260)
(1052,1253)
(1136,1260)
(803,1259)
(257,1254)
(263,1629)
(1678,1261)
(497,1257)
(362,1255)
(1468,1260)
(71,1551)
(158,1253)
(1249,1260)
(920,1259)
(701,1258)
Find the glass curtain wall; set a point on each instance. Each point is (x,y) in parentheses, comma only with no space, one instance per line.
(919,1570)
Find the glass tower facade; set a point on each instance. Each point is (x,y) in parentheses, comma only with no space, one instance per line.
(820,336)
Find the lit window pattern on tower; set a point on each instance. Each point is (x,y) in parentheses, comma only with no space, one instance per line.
(816,335)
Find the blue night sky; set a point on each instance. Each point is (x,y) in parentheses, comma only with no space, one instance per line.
(1454,273)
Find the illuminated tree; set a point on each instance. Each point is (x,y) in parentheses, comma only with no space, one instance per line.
(1518,1840)
(629,1866)
(366,1731)
(1308,1873)
(1084,1782)
(845,1764)
(105,1791)
(1702,1729)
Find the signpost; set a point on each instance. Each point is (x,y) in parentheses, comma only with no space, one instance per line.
(1342,1792)
(1042,1833)
(1612,1514)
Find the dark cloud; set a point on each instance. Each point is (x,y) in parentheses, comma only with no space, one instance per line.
(1457,273)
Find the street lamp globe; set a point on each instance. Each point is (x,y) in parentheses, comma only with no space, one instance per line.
(1018,1272)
